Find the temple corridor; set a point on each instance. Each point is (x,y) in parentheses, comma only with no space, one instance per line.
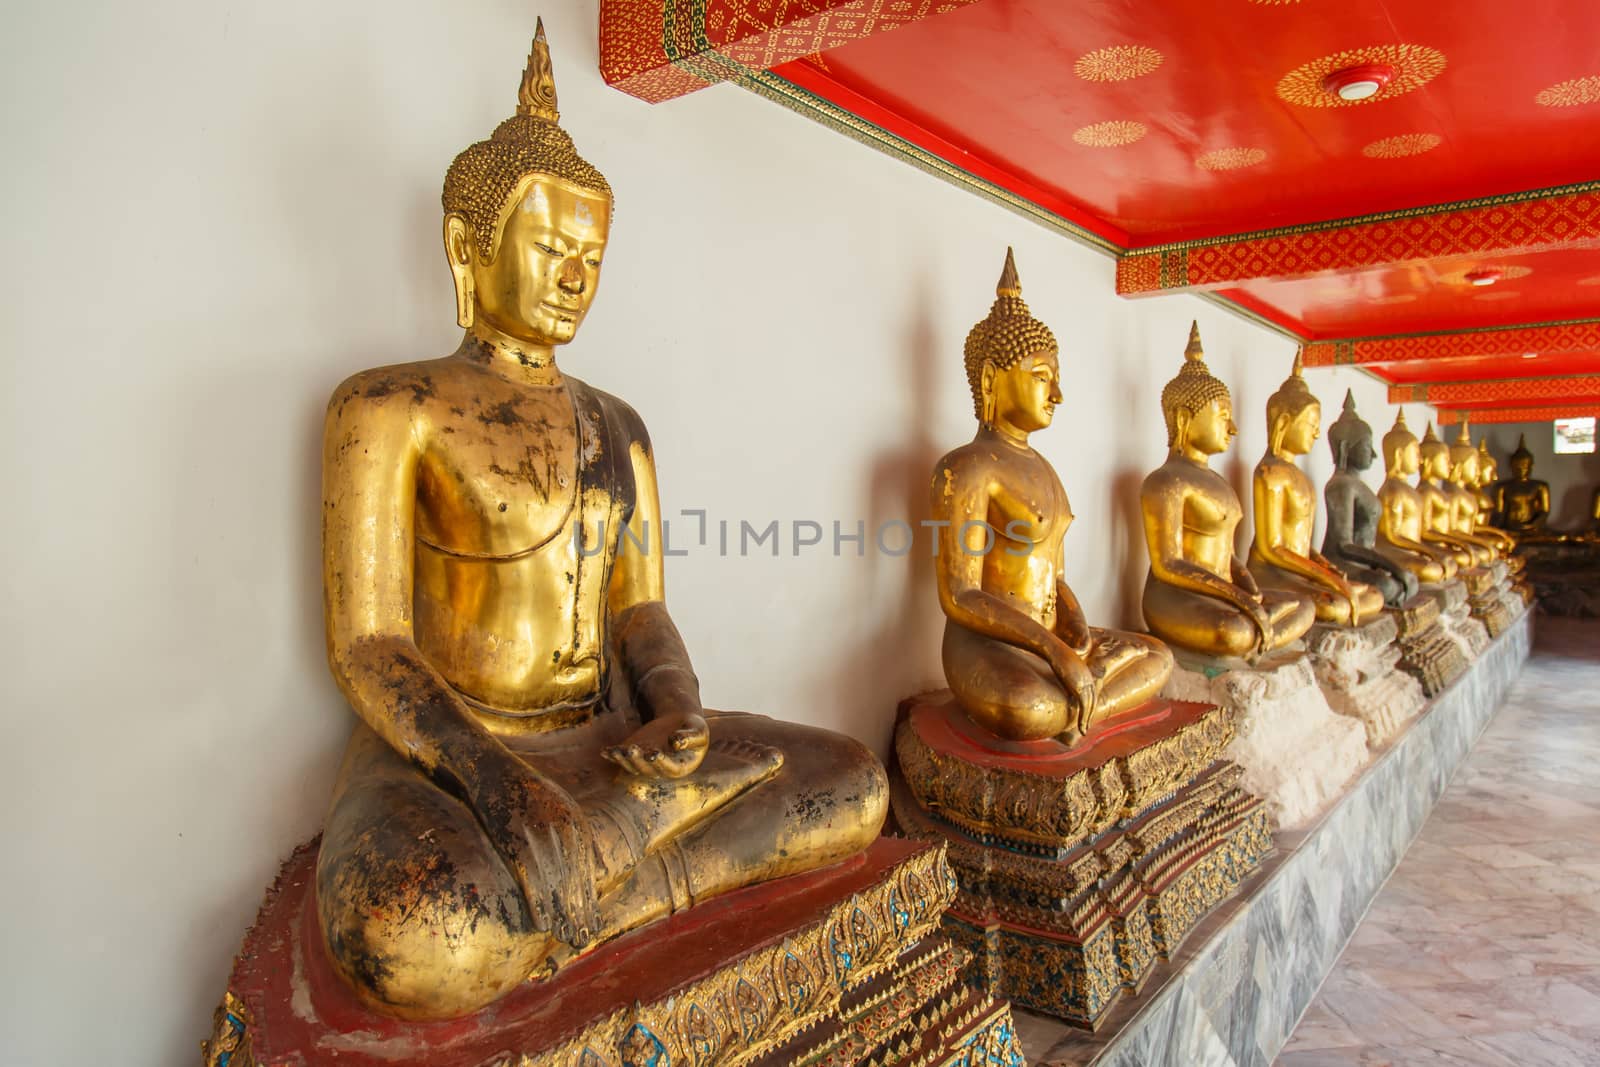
(1484,947)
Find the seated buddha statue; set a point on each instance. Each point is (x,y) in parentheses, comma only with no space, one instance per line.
(1438,504)
(1198,595)
(1523,501)
(1281,556)
(1019,656)
(1466,505)
(1353,512)
(1488,488)
(1400,526)
(531,772)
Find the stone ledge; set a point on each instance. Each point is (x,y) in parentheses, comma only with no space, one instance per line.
(1235,992)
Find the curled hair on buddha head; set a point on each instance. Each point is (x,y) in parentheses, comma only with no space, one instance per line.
(1004,337)
(1193,388)
(1291,398)
(1347,431)
(481,181)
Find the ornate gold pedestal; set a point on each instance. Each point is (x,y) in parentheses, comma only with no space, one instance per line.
(840,966)
(1426,651)
(1078,868)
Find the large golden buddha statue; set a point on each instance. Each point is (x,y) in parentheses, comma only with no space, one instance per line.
(1400,527)
(1439,504)
(1198,595)
(1281,556)
(1488,488)
(1019,655)
(532,772)
(1523,501)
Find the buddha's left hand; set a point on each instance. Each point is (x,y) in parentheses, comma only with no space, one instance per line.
(669,746)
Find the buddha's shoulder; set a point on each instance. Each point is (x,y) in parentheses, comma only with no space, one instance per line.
(971,459)
(619,415)
(395,386)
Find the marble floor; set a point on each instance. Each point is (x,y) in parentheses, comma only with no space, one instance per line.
(1484,947)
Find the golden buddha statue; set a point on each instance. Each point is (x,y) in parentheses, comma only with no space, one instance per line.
(1523,501)
(1019,656)
(1198,595)
(1439,505)
(1281,556)
(1466,518)
(1400,526)
(1488,488)
(532,772)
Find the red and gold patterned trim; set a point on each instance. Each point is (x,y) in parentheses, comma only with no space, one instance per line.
(662,49)
(1569,389)
(1545,338)
(1536,221)
(1481,416)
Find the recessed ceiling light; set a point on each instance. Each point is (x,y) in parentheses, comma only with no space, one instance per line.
(1360,82)
(1530,355)
(1486,276)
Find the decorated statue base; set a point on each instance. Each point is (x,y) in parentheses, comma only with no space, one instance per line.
(839,966)
(1079,868)
(1357,667)
(1427,650)
(1456,618)
(1484,598)
(1297,754)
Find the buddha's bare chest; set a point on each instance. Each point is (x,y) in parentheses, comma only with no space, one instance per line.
(1211,508)
(1028,503)
(499,473)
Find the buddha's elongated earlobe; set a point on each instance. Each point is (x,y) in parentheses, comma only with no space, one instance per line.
(458,249)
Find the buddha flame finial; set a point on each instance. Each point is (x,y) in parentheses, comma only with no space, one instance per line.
(536,96)
(1349,404)
(1465,436)
(1400,421)
(1010,284)
(1430,438)
(1195,349)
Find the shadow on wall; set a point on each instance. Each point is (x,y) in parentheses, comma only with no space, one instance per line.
(900,655)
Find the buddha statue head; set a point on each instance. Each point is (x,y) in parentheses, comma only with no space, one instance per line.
(1011,361)
(1434,455)
(1522,460)
(1350,438)
(1463,459)
(1401,453)
(1196,405)
(1488,466)
(1294,416)
(526,221)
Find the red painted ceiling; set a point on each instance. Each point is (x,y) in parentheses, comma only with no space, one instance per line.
(998,88)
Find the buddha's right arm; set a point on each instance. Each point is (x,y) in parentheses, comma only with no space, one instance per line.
(369,470)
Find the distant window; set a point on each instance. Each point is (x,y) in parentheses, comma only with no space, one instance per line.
(1575,435)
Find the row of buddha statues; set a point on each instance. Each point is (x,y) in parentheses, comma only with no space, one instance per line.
(532,775)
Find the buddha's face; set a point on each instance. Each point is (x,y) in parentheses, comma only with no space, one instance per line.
(1027,392)
(1488,471)
(1211,429)
(1359,454)
(1406,457)
(546,269)
(1522,468)
(1305,426)
(1436,463)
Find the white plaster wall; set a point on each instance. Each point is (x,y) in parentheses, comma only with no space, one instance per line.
(215,211)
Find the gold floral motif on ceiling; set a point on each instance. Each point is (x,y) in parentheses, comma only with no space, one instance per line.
(1117,63)
(1112,134)
(1401,145)
(1415,65)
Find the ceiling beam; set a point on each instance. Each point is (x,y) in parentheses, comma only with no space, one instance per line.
(1515,224)
(1483,416)
(1544,338)
(1571,389)
(658,50)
